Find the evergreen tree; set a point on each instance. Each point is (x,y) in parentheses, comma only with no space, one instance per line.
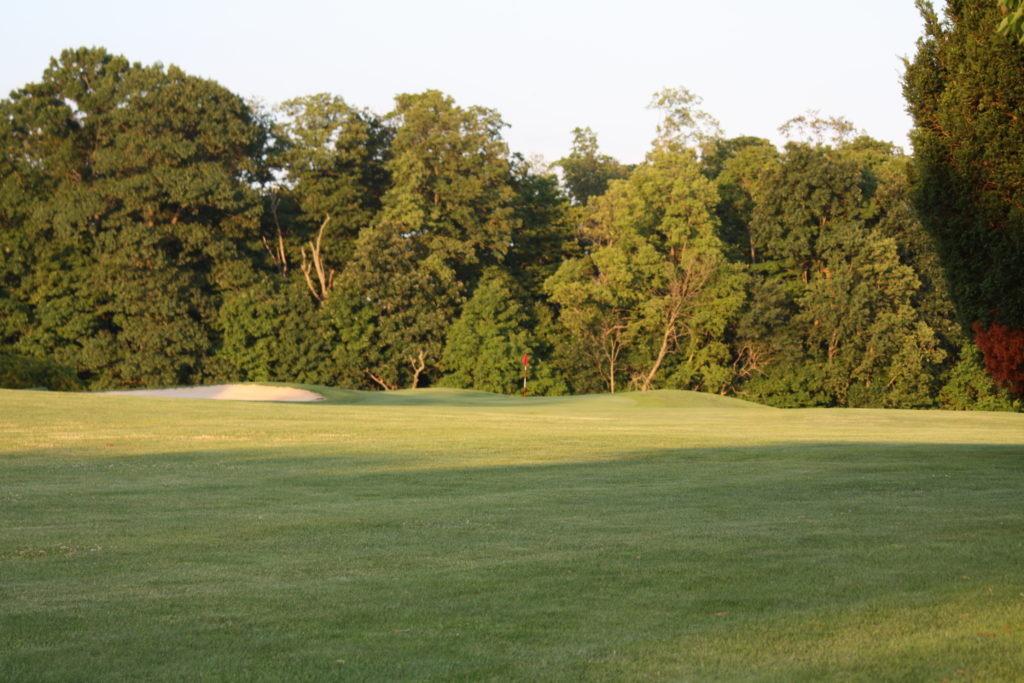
(965,91)
(1012,23)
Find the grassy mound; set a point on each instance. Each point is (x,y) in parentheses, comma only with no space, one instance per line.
(468,398)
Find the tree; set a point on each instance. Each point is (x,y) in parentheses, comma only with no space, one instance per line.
(543,233)
(333,157)
(397,301)
(684,125)
(970,387)
(897,219)
(597,297)
(128,196)
(272,332)
(484,346)
(812,128)
(1012,24)
(586,172)
(965,89)
(832,320)
(330,176)
(21,372)
(654,289)
(447,215)
(737,166)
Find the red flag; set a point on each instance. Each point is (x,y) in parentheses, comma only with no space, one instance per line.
(526,359)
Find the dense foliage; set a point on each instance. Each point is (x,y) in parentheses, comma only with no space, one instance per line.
(128,209)
(965,88)
(158,230)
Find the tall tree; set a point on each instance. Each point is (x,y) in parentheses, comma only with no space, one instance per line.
(129,193)
(684,125)
(814,129)
(965,91)
(586,172)
(333,157)
(833,318)
(544,233)
(447,215)
(654,291)
(397,299)
(330,162)
(737,166)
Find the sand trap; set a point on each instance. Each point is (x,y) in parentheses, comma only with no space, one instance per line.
(227,392)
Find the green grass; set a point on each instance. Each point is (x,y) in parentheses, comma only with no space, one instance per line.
(448,535)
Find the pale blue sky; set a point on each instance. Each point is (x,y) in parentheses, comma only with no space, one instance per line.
(546,65)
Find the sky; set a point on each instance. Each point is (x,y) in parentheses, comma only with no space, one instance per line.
(547,66)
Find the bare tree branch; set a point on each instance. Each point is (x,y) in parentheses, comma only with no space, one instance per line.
(325,281)
(378,380)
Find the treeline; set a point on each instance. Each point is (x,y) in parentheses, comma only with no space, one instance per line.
(157,230)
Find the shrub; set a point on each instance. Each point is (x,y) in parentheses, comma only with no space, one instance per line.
(23,372)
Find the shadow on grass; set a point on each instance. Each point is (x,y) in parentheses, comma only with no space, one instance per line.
(806,560)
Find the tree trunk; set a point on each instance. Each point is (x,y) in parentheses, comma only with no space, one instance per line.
(418,367)
(277,253)
(378,380)
(325,281)
(665,339)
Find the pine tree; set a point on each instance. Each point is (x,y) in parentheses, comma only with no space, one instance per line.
(965,91)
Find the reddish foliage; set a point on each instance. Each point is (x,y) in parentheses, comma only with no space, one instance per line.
(1003,348)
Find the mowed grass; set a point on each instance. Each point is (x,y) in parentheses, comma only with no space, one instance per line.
(445,535)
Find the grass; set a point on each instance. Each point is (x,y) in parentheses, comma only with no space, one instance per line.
(447,535)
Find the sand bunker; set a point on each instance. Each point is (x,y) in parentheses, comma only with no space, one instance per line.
(228,392)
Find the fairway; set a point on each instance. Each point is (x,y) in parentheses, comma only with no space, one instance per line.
(455,535)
